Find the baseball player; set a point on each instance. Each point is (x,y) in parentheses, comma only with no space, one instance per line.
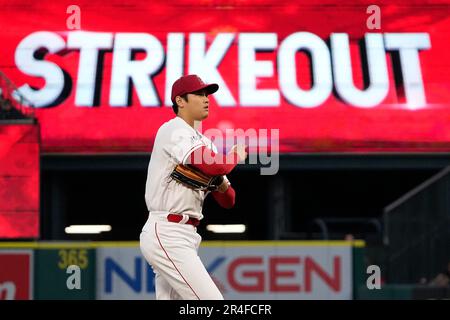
(184,168)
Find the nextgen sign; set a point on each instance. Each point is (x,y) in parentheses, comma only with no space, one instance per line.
(269,272)
(122,273)
(331,67)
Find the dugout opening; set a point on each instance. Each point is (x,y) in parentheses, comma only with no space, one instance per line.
(110,190)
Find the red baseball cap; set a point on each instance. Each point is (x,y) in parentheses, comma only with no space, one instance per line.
(191,83)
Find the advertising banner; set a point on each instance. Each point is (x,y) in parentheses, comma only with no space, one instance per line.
(16,274)
(65,273)
(19,181)
(240,270)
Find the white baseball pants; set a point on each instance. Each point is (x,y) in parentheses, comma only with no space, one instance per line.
(172,251)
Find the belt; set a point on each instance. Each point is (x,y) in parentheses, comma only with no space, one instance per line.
(177,218)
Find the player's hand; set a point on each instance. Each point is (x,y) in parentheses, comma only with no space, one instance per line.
(223,186)
(239,149)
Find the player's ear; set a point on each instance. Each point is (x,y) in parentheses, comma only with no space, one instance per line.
(179,101)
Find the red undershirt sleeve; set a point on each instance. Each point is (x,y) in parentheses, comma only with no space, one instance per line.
(215,164)
(226,199)
(211,163)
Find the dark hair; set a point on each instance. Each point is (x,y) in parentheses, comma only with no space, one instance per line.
(175,106)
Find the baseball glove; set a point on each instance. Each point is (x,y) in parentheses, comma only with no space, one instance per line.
(195,179)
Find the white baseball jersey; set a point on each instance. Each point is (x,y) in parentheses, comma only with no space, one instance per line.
(174,142)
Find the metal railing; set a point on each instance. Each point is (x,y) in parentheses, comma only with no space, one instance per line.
(9,92)
(417,231)
(325,224)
